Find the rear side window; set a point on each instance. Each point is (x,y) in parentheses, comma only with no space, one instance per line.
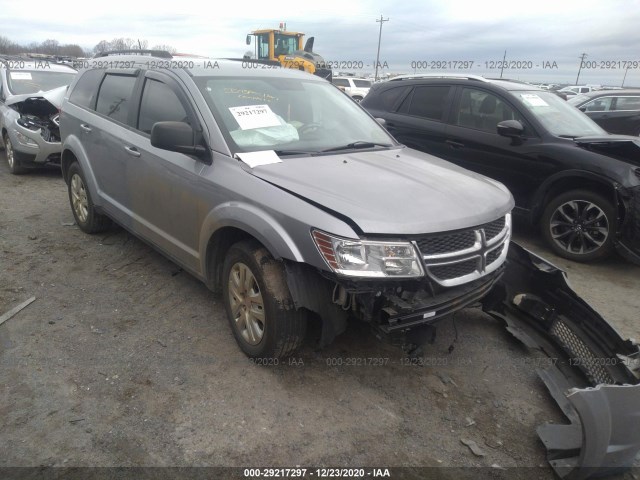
(114,97)
(427,102)
(628,103)
(362,83)
(86,88)
(159,104)
(386,99)
(341,82)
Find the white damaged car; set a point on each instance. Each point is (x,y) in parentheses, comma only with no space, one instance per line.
(31,94)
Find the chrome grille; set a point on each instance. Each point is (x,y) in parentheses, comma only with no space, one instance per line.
(460,257)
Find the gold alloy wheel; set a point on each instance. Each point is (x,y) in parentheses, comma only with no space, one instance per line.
(247,305)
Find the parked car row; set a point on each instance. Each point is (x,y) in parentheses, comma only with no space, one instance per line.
(31,93)
(580,184)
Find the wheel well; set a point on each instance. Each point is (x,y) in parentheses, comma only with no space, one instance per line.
(217,247)
(67,159)
(574,183)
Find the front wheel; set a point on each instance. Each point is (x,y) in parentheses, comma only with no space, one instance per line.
(258,303)
(14,164)
(580,225)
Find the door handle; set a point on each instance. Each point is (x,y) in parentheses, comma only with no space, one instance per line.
(133,151)
(453,144)
(85,127)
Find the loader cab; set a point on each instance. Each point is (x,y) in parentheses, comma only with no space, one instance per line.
(270,44)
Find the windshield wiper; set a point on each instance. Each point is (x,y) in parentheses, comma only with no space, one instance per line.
(284,153)
(358,144)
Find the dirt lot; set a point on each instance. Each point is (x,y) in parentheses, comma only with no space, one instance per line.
(124,360)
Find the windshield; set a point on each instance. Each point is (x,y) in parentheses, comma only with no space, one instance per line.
(34,81)
(288,115)
(557,116)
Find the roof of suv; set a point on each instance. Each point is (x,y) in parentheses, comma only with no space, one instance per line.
(456,78)
(611,93)
(197,66)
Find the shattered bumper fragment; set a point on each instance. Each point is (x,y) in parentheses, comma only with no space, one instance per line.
(596,378)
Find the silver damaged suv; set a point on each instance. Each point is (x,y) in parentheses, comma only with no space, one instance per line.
(31,92)
(275,189)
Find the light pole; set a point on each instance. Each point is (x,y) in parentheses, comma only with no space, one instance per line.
(580,68)
(381,20)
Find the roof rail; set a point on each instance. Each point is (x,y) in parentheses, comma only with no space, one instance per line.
(438,75)
(135,51)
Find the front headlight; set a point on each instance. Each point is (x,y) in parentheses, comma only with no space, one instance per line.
(365,258)
(24,140)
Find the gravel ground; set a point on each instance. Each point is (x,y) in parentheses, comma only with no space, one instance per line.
(124,360)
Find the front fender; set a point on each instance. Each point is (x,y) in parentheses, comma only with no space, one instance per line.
(256,222)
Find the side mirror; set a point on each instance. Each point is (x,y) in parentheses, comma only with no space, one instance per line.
(175,137)
(510,128)
(248,39)
(381,121)
(582,109)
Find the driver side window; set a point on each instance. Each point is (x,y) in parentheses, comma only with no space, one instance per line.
(482,110)
(159,104)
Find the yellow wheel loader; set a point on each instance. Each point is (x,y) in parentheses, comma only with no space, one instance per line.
(285,47)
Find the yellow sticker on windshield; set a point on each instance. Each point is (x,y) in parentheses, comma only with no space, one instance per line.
(254,116)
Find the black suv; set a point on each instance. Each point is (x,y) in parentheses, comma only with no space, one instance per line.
(579,183)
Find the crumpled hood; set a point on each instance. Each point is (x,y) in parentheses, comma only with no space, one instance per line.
(620,147)
(54,97)
(397,191)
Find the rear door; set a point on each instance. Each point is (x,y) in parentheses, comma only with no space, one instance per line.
(103,134)
(418,120)
(625,115)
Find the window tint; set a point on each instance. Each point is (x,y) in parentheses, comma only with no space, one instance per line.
(386,100)
(427,102)
(628,103)
(362,83)
(602,104)
(341,82)
(115,95)
(86,88)
(159,104)
(483,111)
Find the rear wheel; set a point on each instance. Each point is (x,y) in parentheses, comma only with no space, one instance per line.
(580,225)
(82,207)
(14,164)
(258,303)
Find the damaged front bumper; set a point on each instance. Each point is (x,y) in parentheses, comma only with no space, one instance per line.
(35,149)
(628,244)
(596,378)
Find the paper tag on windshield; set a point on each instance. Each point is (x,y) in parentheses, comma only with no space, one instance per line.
(254,159)
(254,116)
(20,75)
(534,100)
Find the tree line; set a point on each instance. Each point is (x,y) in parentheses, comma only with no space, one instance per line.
(55,48)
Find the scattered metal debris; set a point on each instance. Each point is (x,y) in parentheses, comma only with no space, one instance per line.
(15,310)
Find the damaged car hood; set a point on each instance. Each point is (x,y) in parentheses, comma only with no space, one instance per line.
(54,97)
(392,191)
(620,147)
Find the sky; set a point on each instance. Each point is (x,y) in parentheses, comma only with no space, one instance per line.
(418,35)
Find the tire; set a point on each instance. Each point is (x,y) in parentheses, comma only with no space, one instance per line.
(580,225)
(82,207)
(14,164)
(268,325)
